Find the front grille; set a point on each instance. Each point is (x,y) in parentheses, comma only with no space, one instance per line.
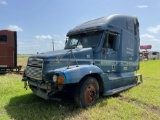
(35,62)
(34,68)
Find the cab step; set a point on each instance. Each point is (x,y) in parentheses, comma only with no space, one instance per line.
(117,90)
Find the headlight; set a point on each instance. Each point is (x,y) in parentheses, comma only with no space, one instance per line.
(54,78)
(58,79)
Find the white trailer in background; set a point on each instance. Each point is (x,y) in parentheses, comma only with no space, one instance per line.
(149,55)
(153,55)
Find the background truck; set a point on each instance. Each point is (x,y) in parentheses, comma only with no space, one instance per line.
(99,58)
(8,51)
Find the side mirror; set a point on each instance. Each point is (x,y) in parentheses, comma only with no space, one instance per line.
(79,47)
(66,41)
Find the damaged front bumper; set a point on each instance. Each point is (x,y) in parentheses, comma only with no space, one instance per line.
(43,89)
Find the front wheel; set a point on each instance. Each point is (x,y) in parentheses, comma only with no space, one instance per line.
(87,92)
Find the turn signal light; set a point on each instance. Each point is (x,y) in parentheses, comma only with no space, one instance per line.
(60,80)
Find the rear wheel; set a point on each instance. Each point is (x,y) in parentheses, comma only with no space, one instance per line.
(87,92)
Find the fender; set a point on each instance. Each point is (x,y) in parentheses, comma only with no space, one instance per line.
(75,74)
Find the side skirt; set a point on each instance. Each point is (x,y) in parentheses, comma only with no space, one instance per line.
(117,90)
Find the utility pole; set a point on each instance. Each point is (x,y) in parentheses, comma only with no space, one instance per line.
(53,43)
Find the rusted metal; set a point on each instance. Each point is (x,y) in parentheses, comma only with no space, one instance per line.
(90,94)
(8,51)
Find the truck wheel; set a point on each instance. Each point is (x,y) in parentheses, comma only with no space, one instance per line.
(87,92)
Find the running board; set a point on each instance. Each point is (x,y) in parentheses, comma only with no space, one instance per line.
(114,91)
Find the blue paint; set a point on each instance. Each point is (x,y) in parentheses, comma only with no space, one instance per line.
(75,74)
(108,47)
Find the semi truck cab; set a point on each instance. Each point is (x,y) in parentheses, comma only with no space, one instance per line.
(100,57)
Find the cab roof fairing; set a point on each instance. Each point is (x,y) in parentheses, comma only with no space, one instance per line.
(120,21)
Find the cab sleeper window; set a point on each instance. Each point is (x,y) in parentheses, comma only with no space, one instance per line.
(3,38)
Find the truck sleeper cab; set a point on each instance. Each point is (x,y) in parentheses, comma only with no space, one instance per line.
(100,57)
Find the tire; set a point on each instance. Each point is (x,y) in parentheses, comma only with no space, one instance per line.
(87,92)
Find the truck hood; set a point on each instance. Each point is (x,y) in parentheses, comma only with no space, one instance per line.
(50,54)
(65,53)
(64,58)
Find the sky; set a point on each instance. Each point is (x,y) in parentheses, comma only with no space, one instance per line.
(39,22)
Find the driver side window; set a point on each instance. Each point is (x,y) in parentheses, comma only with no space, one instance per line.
(109,41)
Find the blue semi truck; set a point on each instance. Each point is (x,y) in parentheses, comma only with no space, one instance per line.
(100,58)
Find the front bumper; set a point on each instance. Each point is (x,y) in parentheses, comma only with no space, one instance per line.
(45,90)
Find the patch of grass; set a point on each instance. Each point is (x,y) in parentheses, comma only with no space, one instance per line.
(22,60)
(150,69)
(149,91)
(139,103)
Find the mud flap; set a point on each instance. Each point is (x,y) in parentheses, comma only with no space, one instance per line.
(139,78)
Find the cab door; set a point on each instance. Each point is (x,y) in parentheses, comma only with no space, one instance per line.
(109,60)
(109,52)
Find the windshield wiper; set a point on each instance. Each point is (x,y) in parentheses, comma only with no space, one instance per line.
(71,54)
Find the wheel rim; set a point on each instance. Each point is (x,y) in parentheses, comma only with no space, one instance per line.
(90,94)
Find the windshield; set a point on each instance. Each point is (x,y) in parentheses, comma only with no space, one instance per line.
(87,40)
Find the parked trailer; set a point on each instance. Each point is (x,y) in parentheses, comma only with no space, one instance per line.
(8,51)
(153,55)
(149,55)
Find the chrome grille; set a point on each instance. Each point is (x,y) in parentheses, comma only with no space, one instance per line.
(35,62)
(34,68)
